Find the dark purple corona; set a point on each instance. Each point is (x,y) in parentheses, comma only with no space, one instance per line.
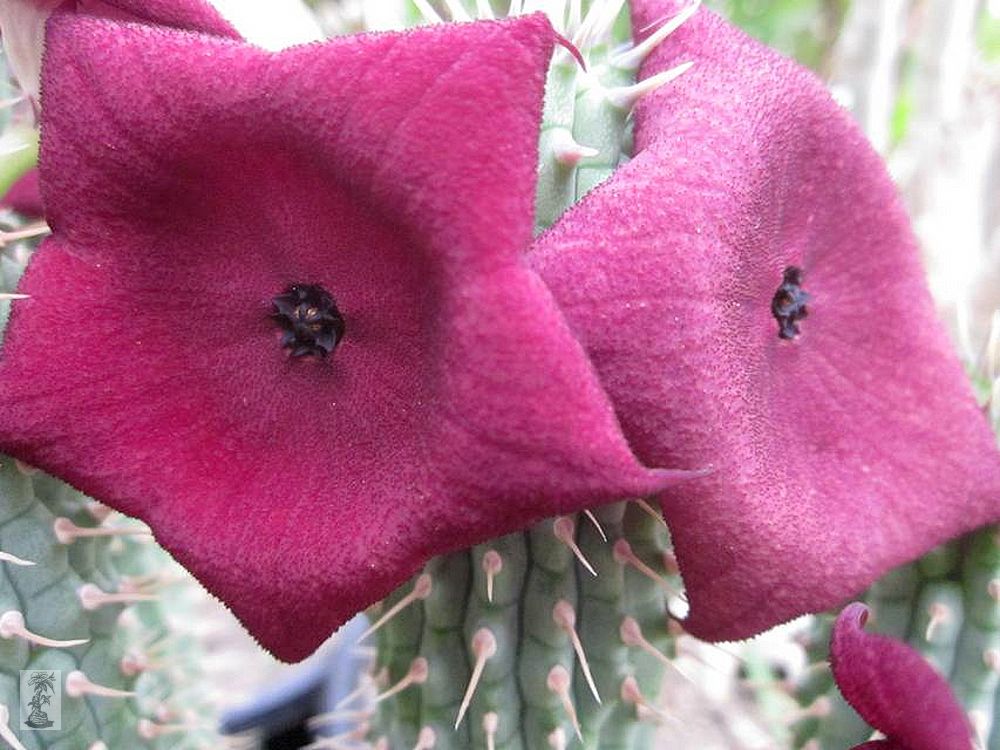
(789,303)
(310,320)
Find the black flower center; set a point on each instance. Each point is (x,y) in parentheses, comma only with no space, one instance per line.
(789,303)
(310,320)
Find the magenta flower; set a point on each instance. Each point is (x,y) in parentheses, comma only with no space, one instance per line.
(283,316)
(751,294)
(894,689)
(25,196)
(22,25)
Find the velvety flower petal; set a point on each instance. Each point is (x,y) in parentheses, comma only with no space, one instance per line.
(840,451)
(894,689)
(22,25)
(189,182)
(25,196)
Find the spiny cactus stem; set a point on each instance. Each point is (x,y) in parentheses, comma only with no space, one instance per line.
(564,616)
(632,58)
(632,695)
(631,635)
(67,532)
(421,590)
(338,717)
(564,529)
(417,675)
(597,525)
(38,229)
(491,723)
(558,681)
(484,647)
(492,565)
(557,739)
(426,740)
(12,625)
(5,731)
(650,511)
(624,555)
(78,685)
(92,597)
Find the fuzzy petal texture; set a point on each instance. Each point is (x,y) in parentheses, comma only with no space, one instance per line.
(839,453)
(22,25)
(25,196)
(894,689)
(189,181)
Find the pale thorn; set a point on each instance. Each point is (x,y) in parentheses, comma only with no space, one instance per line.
(625,97)
(566,151)
(980,725)
(632,58)
(492,565)
(564,529)
(417,675)
(484,648)
(557,739)
(993,589)
(337,741)
(559,682)
(99,511)
(565,617)
(421,590)
(597,524)
(625,556)
(575,16)
(630,693)
(427,11)
(14,559)
(67,532)
(491,723)
(598,22)
(457,11)
(78,684)
(6,733)
(144,584)
(631,635)
(515,8)
(938,614)
(650,511)
(150,730)
(98,746)
(991,658)
(606,21)
(484,10)
(382,743)
(426,740)
(133,662)
(27,469)
(818,709)
(334,717)
(367,686)
(13,102)
(26,232)
(92,597)
(12,626)
(10,297)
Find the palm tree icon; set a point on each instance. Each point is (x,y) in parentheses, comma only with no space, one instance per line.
(41,684)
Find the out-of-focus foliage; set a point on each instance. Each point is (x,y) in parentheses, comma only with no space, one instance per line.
(989,31)
(804,29)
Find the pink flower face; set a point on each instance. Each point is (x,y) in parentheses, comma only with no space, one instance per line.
(894,689)
(22,25)
(283,315)
(752,297)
